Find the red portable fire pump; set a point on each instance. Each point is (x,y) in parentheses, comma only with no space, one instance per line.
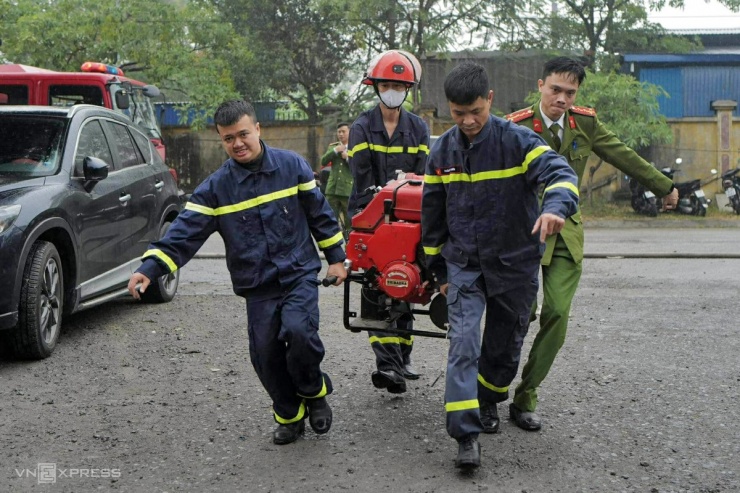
(385,256)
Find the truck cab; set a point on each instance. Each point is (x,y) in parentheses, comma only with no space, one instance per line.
(96,83)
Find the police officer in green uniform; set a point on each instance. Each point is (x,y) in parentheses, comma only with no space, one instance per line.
(339,184)
(575,132)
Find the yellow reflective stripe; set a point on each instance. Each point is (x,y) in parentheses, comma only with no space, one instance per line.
(298,417)
(305,187)
(534,154)
(433,250)
(492,387)
(248,204)
(357,148)
(489,175)
(564,184)
(323,244)
(161,256)
(392,340)
(321,393)
(462,405)
(388,150)
(200,208)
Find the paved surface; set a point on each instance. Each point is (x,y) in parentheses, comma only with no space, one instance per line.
(656,237)
(643,397)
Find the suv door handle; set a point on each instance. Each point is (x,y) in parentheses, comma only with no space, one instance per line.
(159,185)
(124,198)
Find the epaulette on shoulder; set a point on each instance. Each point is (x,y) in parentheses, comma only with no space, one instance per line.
(520,115)
(583,110)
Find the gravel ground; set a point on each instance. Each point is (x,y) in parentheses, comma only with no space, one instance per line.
(151,398)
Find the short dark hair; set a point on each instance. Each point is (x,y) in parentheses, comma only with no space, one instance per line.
(342,124)
(465,83)
(230,112)
(565,65)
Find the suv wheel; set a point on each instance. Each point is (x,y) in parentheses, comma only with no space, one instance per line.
(41,303)
(163,289)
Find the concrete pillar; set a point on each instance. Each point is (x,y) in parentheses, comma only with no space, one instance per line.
(724,109)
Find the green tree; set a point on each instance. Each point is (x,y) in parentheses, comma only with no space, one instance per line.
(302,52)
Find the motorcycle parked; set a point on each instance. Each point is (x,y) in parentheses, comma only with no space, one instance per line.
(731,185)
(691,198)
(643,200)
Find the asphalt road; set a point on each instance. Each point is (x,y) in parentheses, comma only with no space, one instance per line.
(644,396)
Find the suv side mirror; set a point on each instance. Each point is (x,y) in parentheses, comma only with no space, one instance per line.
(151,91)
(122,100)
(95,169)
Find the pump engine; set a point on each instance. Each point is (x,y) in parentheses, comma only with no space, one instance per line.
(385,256)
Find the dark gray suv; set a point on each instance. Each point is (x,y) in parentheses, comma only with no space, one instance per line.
(82,193)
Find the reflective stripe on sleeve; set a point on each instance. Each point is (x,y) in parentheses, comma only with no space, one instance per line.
(324,244)
(161,256)
(564,184)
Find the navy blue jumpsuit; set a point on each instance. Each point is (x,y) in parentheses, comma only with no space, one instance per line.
(374,159)
(266,219)
(478,210)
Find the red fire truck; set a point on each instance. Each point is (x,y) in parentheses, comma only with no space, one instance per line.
(96,83)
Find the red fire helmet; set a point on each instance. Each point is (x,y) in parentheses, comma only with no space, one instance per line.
(395,66)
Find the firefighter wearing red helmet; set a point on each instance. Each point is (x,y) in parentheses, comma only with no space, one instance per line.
(383,141)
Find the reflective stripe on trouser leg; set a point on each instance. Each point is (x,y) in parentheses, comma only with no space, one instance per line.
(465,305)
(391,350)
(559,284)
(507,321)
(286,350)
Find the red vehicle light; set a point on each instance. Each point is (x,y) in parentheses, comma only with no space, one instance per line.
(173,172)
(101,67)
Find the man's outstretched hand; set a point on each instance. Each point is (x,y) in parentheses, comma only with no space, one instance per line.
(548,224)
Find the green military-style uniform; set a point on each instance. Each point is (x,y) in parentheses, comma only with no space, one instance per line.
(583,134)
(339,185)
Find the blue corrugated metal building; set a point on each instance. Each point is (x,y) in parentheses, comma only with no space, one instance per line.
(693,80)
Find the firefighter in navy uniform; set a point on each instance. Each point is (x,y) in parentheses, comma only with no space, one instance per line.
(574,132)
(482,232)
(382,141)
(265,204)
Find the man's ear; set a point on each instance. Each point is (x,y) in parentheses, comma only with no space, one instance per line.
(490,96)
(540,84)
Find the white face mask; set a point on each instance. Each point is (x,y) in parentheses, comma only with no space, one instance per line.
(393,99)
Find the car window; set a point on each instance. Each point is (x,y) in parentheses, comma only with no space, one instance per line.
(128,153)
(70,94)
(92,143)
(30,145)
(14,94)
(144,144)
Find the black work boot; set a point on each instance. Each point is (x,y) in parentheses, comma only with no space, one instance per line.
(525,420)
(489,417)
(409,372)
(319,415)
(285,434)
(468,453)
(389,379)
